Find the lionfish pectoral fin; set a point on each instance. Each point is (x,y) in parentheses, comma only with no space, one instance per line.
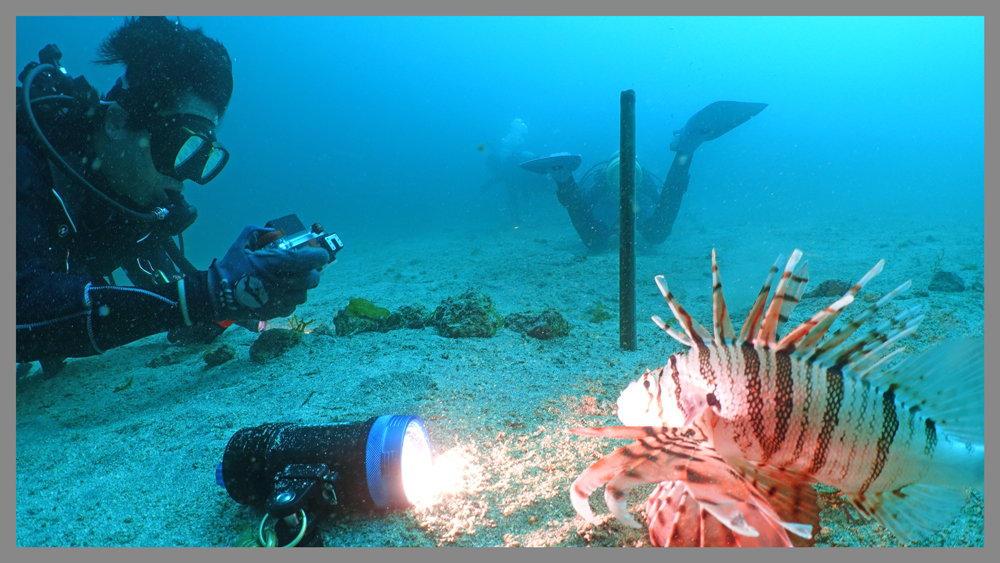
(790,495)
(731,517)
(694,403)
(604,470)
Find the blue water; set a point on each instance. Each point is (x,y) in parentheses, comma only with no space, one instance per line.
(373,125)
(381,129)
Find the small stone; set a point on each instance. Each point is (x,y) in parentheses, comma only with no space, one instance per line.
(550,324)
(946,281)
(829,288)
(273,343)
(469,315)
(219,356)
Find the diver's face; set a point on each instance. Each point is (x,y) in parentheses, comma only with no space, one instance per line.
(125,158)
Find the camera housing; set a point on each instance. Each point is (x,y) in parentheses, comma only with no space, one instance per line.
(294,234)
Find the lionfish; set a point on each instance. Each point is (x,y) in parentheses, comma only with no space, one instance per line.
(736,430)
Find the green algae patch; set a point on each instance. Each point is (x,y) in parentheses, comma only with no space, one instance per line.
(365,309)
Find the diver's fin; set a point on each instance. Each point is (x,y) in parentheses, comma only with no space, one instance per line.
(713,121)
(557,161)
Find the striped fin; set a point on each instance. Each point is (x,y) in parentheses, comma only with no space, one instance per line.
(682,338)
(625,459)
(796,288)
(667,454)
(721,324)
(894,329)
(752,322)
(693,328)
(820,322)
(914,511)
(803,337)
(676,519)
(789,493)
(838,338)
(946,382)
(769,328)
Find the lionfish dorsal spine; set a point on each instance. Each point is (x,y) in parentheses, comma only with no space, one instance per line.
(807,335)
(682,338)
(695,332)
(769,328)
(752,321)
(722,326)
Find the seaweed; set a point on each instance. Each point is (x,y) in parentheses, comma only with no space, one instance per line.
(299,325)
(124,386)
(599,313)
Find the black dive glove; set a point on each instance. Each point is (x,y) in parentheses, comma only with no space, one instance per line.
(262,284)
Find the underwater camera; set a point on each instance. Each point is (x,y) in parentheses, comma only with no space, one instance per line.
(297,473)
(290,234)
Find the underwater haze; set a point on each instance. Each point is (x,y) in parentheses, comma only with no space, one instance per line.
(380,126)
(489,318)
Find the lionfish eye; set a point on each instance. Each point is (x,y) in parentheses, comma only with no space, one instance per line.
(645,383)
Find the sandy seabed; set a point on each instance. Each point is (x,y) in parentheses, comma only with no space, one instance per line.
(98,466)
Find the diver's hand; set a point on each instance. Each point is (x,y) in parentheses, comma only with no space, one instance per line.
(262,284)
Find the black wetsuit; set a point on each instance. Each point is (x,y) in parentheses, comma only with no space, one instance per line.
(593,204)
(68,245)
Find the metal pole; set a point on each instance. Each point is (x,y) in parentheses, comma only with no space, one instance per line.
(626,213)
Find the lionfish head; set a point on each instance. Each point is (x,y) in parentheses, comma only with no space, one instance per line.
(650,401)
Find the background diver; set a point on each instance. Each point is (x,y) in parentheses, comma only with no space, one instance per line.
(593,203)
(503,166)
(99,182)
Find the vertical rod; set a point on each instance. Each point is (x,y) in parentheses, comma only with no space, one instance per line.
(626,213)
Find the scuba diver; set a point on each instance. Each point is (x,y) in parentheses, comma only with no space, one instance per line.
(593,203)
(99,187)
(503,165)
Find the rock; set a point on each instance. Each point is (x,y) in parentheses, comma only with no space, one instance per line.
(219,356)
(946,281)
(170,358)
(273,343)
(415,316)
(470,314)
(829,288)
(363,316)
(550,324)
(360,315)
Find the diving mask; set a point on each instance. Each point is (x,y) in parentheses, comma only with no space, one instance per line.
(184,147)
